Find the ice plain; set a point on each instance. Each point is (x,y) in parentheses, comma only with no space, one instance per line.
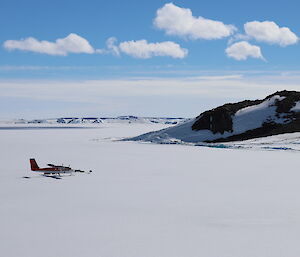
(143,199)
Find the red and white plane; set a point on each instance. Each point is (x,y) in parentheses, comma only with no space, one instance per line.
(53,169)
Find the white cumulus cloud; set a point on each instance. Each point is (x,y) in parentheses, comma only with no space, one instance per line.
(270,32)
(242,50)
(181,22)
(73,43)
(143,49)
(112,48)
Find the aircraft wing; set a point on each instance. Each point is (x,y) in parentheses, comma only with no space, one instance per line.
(58,166)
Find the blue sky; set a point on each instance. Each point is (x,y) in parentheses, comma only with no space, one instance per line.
(261,56)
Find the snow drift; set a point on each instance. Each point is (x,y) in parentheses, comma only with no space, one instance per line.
(276,114)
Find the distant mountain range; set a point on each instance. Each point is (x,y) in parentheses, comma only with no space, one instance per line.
(276,114)
(97,120)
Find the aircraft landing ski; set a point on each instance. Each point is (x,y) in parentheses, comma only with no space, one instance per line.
(51,176)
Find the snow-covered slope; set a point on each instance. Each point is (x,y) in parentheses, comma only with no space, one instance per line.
(276,114)
(254,116)
(178,134)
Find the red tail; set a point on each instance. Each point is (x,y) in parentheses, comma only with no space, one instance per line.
(34,165)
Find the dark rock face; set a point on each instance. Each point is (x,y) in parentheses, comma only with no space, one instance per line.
(219,120)
(291,97)
(268,129)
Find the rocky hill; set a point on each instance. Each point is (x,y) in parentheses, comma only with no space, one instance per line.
(276,114)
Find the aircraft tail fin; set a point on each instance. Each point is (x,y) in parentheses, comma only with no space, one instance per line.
(34,165)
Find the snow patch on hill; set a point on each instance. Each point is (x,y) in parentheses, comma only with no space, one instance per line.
(296,108)
(253,117)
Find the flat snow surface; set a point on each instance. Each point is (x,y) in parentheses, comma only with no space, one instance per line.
(146,200)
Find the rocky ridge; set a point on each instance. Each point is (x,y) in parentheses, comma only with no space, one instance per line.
(276,114)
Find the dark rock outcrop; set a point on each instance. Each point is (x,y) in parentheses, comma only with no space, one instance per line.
(291,97)
(219,120)
(268,129)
